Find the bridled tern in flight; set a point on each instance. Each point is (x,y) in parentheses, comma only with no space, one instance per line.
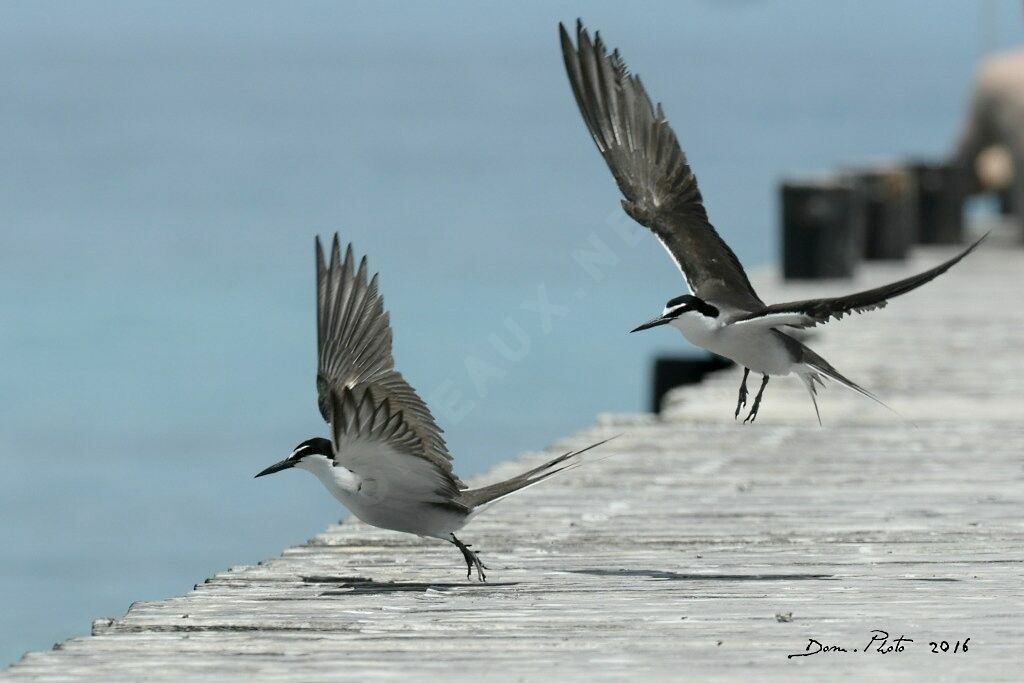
(722,313)
(386,461)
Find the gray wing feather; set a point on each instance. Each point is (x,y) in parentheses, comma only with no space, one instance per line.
(360,417)
(355,360)
(814,312)
(651,170)
(353,330)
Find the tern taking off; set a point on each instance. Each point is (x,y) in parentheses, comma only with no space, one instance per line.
(386,461)
(722,313)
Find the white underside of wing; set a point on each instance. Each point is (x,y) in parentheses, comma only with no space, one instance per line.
(388,489)
(397,490)
(768,322)
(386,473)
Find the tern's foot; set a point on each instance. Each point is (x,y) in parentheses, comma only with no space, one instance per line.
(740,404)
(742,401)
(752,415)
(472,559)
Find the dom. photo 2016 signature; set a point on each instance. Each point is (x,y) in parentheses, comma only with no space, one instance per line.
(884,644)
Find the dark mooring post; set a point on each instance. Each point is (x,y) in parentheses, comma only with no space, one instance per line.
(675,371)
(890,212)
(940,198)
(822,227)
(1004,199)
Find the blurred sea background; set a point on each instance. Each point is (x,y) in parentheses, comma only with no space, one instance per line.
(164,167)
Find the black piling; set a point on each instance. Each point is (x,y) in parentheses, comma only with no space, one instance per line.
(890,211)
(822,228)
(939,190)
(676,371)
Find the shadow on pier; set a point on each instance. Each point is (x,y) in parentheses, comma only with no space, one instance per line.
(663,575)
(349,585)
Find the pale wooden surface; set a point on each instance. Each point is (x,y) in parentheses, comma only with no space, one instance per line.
(672,559)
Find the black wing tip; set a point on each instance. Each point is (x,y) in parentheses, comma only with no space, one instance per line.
(880,297)
(978,241)
(591,446)
(601,443)
(943,267)
(318,252)
(336,250)
(563,32)
(597,46)
(335,240)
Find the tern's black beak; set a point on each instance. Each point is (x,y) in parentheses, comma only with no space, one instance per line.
(660,320)
(277,467)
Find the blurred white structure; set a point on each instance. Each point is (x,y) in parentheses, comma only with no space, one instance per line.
(991,147)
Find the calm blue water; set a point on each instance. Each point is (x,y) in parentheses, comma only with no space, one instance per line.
(164,167)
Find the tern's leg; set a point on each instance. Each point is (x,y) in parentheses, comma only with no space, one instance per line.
(472,560)
(757,401)
(743,394)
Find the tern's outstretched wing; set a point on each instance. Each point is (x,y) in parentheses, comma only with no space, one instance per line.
(811,312)
(651,170)
(382,429)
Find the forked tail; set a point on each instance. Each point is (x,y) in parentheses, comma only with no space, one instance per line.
(476,498)
(815,366)
(818,366)
(812,380)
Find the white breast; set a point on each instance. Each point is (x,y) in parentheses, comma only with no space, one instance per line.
(757,349)
(398,503)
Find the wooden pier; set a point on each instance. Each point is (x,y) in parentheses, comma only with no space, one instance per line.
(702,550)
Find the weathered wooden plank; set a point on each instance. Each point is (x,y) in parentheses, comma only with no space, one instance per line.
(703,549)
